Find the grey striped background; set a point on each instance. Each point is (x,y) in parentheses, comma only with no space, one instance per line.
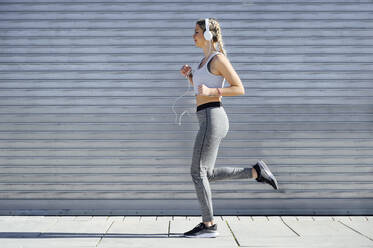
(86,88)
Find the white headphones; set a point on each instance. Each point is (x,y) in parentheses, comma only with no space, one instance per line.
(207,34)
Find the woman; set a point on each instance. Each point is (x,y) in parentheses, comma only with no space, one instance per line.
(208,81)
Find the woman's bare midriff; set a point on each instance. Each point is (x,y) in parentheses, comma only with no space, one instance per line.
(205,99)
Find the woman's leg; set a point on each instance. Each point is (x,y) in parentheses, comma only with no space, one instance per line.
(223,173)
(204,155)
(214,126)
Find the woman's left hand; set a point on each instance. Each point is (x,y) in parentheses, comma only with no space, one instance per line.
(203,90)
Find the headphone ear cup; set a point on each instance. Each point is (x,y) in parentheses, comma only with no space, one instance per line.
(208,35)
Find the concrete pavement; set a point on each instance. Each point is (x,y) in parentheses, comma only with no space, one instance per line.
(165,231)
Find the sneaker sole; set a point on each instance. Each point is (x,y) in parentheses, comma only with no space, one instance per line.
(265,167)
(204,235)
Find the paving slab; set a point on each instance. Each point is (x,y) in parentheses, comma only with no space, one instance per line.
(107,218)
(358,218)
(84,233)
(15,227)
(323,218)
(343,218)
(233,218)
(83,218)
(292,218)
(362,227)
(327,234)
(162,232)
(260,231)
(50,232)
(137,232)
(308,218)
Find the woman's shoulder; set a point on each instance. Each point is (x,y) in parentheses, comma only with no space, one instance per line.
(220,58)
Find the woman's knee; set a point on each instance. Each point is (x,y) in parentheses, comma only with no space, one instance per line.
(198,172)
(210,175)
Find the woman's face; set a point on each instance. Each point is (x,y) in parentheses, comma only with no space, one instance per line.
(199,39)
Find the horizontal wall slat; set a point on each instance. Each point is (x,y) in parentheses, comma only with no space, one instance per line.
(171,178)
(185,161)
(175,74)
(187,33)
(172,143)
(181,133)
(226,185)
(263,110)
(236,58)
(169,152)
(15,24)
(182,41)
(182,207)
(165,7)
(159,195)
(180,85)
(332,67)
(144,92)
(84,100)
(178,168)
(93,128)
(190,16)
(164,49)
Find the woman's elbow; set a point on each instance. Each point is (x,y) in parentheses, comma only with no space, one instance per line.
(242,91)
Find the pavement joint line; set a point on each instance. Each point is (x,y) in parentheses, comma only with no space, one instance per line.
(289,227)
(105,233)
(362,234)
(234,236)
(169,228)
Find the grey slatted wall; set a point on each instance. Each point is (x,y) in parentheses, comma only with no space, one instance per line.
(86,89)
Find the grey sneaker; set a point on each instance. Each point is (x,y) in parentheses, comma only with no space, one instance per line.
(265,175)
(201,231)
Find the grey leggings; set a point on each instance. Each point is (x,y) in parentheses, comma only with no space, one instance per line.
(213,127)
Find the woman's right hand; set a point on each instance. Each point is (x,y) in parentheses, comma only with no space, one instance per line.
(185,70)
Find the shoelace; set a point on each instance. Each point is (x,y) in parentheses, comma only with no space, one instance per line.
(199,226)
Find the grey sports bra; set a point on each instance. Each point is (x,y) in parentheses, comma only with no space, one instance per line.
(204,76)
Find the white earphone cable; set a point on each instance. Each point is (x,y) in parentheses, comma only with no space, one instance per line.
(186,111)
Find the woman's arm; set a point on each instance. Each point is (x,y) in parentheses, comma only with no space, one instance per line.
(186,71)
(190,78)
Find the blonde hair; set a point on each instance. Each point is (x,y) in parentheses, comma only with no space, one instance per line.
(215,29)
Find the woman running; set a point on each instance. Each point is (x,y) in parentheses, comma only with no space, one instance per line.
(208,81)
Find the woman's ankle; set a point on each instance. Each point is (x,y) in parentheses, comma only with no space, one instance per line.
(254,173)
(208,224)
